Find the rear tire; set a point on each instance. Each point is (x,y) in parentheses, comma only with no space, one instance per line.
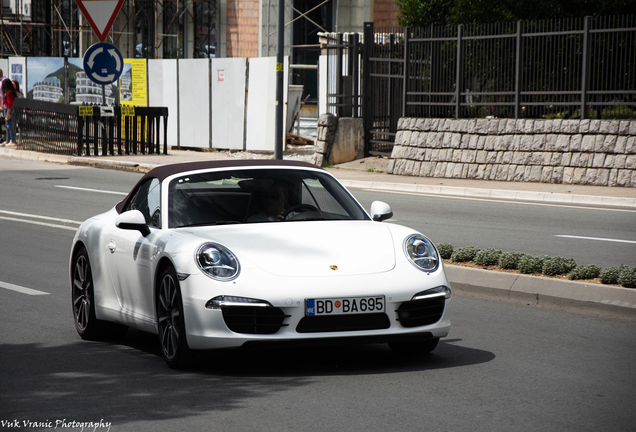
(171,322)
(83,302)
(414,348)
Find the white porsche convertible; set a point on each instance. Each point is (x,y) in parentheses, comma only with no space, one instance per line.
(228,254)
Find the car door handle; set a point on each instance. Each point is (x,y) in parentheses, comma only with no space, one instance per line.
(112,246)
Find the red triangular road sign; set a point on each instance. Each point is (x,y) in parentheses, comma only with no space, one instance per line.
(100,14)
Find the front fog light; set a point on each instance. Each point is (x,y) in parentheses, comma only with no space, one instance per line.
(217,261)
(219,302)
(421,252)
(440,291)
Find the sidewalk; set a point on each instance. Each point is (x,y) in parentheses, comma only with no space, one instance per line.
(370,173)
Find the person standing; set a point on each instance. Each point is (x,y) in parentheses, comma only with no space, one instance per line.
(8,100)
(16,86)
(2,78)
(4,112)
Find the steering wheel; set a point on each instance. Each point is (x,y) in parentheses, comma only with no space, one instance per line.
(299,208)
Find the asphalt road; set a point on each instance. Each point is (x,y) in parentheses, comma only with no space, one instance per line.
(503,368)
(601,236)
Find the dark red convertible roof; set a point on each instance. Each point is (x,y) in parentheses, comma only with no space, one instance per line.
(164,171)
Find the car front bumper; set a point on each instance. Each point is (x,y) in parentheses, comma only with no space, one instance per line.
(207,328)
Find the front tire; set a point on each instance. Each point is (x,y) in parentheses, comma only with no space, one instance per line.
(414,348)
(171,322)
(83,300)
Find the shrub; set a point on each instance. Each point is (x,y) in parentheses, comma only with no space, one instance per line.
(584,272)
(510,260)
(610,275)
(529,264)
(445,250)
(464,254)
(557,266)
(487,257)
(628,278)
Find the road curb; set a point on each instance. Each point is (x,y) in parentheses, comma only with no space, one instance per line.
(543,291)
(111,164)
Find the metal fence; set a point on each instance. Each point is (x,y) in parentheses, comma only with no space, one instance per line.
(575,68)
(50,127)
(343,72)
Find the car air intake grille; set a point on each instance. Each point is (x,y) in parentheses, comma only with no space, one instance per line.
(253,319)
(421,312)
(338,323)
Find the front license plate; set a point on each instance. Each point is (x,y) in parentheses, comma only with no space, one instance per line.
(344,306)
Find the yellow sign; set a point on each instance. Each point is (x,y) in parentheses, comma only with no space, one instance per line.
(85,111)
(127,111)
(133,83)
(133,91)
(279,67)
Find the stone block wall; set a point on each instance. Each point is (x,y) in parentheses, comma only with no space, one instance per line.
(325,136)
(591,152)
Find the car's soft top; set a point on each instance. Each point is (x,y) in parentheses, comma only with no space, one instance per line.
(164,171)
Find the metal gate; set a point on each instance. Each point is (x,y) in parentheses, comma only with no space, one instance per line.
(366,81)
(383,72)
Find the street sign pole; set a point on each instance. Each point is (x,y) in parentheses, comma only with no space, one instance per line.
(103,63)
(280,47)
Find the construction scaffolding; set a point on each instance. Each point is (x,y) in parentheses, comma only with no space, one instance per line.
(151,29)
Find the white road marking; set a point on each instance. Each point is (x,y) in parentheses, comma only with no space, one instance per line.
(39,223)
(597,238)
(22,290)
(28,218)
(92,190)
(32,216)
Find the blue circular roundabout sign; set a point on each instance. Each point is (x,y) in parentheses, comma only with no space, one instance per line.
(103,63)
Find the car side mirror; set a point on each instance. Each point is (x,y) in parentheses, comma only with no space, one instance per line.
(133,220)
(381,211)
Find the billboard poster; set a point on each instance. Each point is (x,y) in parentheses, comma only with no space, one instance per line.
(45,77)
(17,72)
(83,91)
(50,79)
(133,83)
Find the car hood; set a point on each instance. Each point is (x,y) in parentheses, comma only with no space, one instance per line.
(312,249)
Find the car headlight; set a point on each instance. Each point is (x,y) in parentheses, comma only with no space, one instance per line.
(217,262)
(421,252)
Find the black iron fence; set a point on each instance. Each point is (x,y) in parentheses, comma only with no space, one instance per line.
(90,130)
(575,68)
(343,72)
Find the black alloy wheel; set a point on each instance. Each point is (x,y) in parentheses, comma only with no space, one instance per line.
(170,317)
(83,299)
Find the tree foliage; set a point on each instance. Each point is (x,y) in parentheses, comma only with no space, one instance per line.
(420,13)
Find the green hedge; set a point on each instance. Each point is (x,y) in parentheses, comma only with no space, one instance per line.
(543,264)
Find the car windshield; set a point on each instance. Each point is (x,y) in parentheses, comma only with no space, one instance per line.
(258,196)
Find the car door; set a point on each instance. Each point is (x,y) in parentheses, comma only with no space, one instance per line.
(131,255)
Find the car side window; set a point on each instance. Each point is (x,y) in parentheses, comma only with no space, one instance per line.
(147,199)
